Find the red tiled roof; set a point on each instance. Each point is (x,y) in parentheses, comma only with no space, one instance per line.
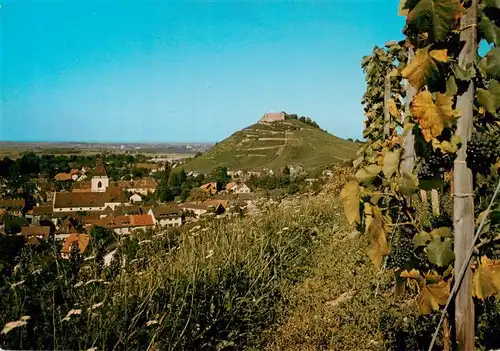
(43,231)
(193,206)
(82,240)
(141,220)
(166,211)
(215,203)
(63,177)
(12,203)
(100,171)
(42,210)
(89,199)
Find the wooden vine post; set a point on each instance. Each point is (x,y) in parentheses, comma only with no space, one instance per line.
(463,202)
(387,96)
(408,156)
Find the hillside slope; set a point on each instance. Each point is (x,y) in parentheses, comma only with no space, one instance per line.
(275,145)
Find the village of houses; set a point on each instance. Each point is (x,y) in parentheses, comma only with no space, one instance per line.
(97,201)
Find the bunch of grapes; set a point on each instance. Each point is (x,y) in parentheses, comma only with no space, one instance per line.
(401,253)
(483,150)
(434,166)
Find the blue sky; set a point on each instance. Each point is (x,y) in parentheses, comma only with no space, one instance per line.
(174,71)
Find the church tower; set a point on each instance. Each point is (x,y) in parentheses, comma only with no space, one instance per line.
(100,180)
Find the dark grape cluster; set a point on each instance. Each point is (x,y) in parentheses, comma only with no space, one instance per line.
(433,166)
(401,253)
(483,150)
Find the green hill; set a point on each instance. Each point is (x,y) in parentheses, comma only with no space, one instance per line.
(274,145)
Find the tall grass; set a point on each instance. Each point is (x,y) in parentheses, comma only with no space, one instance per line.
(215,286)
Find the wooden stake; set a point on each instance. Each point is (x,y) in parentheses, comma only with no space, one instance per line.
(387,96)
(408,156)
(463,201)
(435,202)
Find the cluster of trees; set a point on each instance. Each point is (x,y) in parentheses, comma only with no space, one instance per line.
(31,165)
(175,184)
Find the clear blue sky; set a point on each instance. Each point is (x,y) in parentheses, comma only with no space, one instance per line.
(183,71)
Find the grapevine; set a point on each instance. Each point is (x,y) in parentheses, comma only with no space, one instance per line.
(378,201)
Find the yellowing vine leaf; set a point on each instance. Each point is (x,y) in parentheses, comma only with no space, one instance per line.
(432,116)
(391,162)
(368,173)
(350,199)
(435,17)
(424,66)
(378,240)
(449,147)
(432,296)
(393,109)
(486,279)
(413,274)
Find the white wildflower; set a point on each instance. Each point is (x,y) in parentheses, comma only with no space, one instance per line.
(70,313)
(93,281)
(210,254)
(95,306)
(16,324)
(17,284)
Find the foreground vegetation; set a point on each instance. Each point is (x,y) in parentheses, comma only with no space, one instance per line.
(217,284)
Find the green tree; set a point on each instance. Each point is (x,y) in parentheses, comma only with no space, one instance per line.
(220,175)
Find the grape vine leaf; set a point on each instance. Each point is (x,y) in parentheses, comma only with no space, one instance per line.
(421,239)
(423,67)
(449,147)
(491,63)
(490,99)
(439,251)
(350,196)
(486,278)
(368,173)
(443,232)
(451,86)
(391,162)
(463,74)
(492,3)
(435,17)
(433,295)
(408,183)
(490,31)
(367,211)
(432,116)
(378,238)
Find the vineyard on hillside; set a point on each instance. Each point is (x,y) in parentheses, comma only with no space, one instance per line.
(432,128)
